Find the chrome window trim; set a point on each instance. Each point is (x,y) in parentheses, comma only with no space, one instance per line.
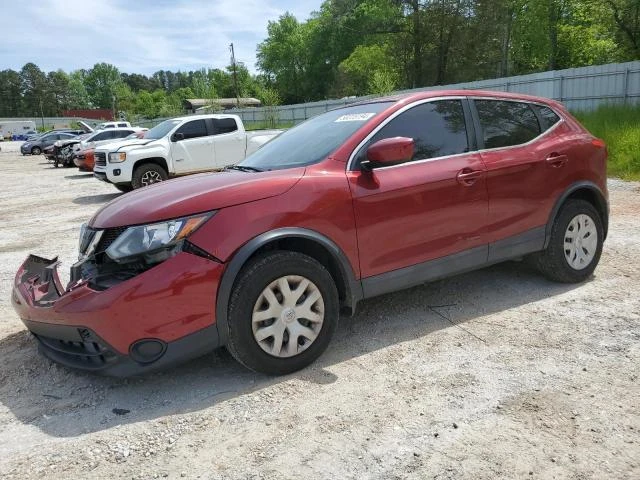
(454,97)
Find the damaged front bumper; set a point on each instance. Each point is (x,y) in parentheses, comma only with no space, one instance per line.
(156,319)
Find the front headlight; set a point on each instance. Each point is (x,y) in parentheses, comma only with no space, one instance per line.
(156,241)
(117,157)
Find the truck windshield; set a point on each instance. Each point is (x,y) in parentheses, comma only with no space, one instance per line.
(161,129)
(313,140)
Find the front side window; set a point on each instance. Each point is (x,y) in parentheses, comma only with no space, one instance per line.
(224,125)
(506,123)
(193,129)
(121,133)
(438,129)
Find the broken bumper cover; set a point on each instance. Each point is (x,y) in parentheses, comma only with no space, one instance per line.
(159,318)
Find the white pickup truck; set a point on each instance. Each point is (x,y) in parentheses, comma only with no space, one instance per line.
(179,146)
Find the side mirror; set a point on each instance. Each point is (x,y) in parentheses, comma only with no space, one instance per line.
(176,137)
(389,151)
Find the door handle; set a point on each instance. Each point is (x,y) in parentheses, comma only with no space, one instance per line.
(468,177)
(556,161)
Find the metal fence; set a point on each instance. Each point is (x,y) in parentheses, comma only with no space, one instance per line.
(580,89)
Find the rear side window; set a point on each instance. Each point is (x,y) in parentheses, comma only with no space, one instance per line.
(102,136)
(193,129)
(437,128)
(224,125)
(548,117)
(122,124)
(505,123)
(121,133)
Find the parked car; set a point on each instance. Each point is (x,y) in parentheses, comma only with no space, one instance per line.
(84,159)
(119,124)
(363,200)
(175,147)
(101,137)
(35,146)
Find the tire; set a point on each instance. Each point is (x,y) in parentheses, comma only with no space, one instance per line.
(55,163)
(123,187)
(36,151)
(148,174)
(268,271)
(555,261)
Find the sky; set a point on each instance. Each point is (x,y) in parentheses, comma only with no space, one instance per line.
(138,36)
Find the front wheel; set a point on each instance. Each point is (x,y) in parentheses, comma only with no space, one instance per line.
(148,174)
(36,151)
(283,312)
(575,245)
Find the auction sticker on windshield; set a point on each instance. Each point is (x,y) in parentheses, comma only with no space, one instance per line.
(354,117)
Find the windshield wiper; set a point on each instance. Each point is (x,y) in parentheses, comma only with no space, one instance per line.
(243,168)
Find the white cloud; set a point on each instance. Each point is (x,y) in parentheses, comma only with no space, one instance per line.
(139,36)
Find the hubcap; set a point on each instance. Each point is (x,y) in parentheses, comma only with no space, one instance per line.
(288,316)
(580,242)
(150,177)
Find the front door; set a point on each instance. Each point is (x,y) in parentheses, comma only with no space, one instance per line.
(428,208)
(194,152)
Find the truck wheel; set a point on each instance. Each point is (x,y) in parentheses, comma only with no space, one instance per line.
(123,187)
(575,245)
(36,151)
(282,313)
(148,174)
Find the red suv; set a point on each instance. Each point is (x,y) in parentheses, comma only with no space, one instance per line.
(363,200)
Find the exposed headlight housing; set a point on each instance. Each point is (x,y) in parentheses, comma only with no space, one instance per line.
(117,157)
(155,242)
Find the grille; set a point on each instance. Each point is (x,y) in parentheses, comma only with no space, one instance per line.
(108,237)
(88,355)
(100,158)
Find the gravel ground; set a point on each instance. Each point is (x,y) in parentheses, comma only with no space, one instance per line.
(493,374)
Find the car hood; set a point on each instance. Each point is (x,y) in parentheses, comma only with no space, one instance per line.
(193,194)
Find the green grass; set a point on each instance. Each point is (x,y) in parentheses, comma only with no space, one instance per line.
(619,127)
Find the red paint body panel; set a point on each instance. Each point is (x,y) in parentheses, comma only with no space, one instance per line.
(193,194)
(87,163)
(417,212)
(320,201)
(171,300)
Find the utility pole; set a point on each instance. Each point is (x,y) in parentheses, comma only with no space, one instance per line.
(235,75)
(41,114)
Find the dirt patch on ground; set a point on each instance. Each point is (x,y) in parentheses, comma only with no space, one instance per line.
(514,377)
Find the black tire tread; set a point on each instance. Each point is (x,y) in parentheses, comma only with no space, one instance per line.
(552,262)
(136,180)
(250,273)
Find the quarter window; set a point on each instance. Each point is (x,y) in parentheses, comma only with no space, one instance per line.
(193,129)
(547,116)
(505,123)
(438,129)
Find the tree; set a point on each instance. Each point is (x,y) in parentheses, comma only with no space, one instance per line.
(33,85)
(626,16)
(78,96)
(100,83)
(10,94)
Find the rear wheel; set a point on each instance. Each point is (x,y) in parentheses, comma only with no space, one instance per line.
(148,174)
(36,151)
(575,245)
(282,314)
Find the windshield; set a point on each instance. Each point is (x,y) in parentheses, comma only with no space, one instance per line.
(161,129)
(314,139)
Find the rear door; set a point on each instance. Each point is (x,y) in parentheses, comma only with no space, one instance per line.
(230,143)
(194,152)
(525,166)
(431,207)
